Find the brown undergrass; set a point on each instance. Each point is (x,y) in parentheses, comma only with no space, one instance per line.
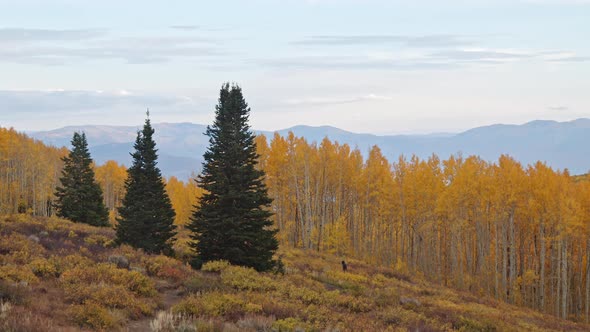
(55,276)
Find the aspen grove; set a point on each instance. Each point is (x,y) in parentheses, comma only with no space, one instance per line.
(518,233)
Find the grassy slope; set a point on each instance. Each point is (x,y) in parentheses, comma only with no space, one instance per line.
(55,275)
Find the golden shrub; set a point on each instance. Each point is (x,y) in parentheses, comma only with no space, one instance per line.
(243,278)
(355,304)
(111,296)
(305,295)
(15,273)
(97,239)
(202,283)
(109,287)
(289,324)
(94,316)
(109,274)
(353,283)
(63,263)
(380,280)
(212,304)
(253,308)
(19,249)
(215,266)
(182,250)
(43,268)
(346,277)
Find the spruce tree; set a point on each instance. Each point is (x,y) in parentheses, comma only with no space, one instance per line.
(233,221)
(146,217)
(80,198)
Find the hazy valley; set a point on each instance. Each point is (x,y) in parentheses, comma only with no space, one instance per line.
(181,145)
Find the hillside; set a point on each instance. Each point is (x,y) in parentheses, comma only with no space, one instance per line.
(181,145)
(60,276)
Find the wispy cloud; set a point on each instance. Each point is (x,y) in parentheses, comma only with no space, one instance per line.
(320,101)
(482,55)
(410,41)
(408,52)
(58,47)
(328,62)
(572,58)
(186,27)
(559,2)
(558,108)
(68,101)
(412,59)
(35,35)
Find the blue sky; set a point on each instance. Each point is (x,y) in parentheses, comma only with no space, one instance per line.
(366,66)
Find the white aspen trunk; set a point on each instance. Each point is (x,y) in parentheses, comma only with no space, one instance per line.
(564,279)
(512,259)
(587,307)
(557,271)
(542,266)
(505,272)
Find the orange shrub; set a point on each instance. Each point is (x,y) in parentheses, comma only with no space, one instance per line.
(166,268)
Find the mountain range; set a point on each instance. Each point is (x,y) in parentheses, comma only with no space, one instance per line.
(181,145)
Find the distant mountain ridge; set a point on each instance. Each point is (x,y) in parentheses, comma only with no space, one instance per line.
(181,145)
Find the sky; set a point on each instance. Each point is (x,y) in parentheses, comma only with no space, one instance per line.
(372,66)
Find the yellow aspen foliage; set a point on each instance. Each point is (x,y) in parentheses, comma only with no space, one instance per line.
(29,173)
(184,196)
(111,177)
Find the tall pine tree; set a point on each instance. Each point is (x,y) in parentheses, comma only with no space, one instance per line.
(233,219)
(80,198)
(146,217)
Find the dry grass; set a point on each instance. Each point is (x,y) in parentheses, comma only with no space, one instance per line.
(56,275)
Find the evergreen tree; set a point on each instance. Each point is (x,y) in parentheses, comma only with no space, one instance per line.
(233,219)
(80,198)
(146,217)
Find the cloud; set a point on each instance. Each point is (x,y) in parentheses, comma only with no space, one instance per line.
(68,101)
(36,35)
(405,52)
(186,27)
(321,101)
(558,108)
(482,55)
(421,59)
(358,63)
(573,58)
(59,47)
(410,41)
(559,2)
